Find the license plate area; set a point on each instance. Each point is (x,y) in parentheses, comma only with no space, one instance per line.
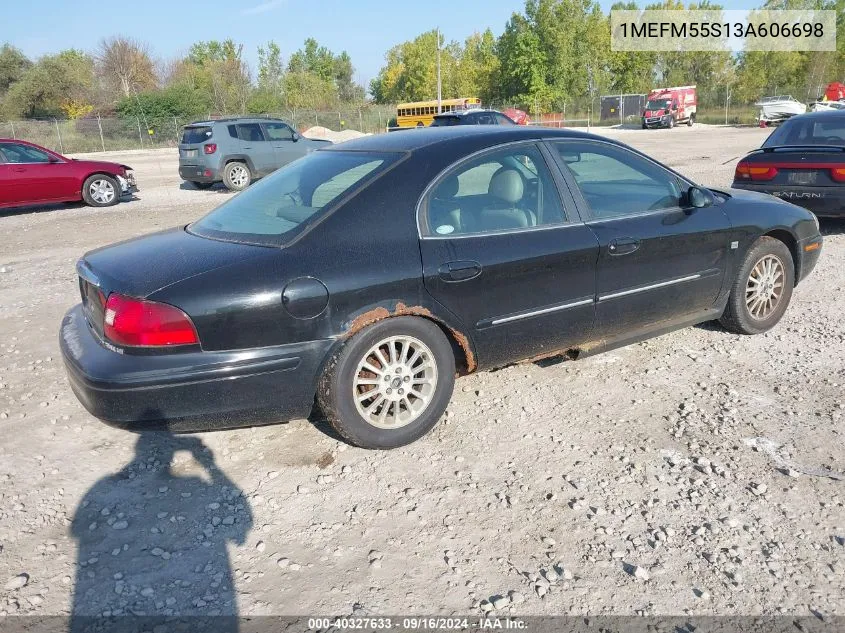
(189,153)
(808,177)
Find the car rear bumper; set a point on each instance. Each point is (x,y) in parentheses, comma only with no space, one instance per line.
(823,201)
(199,173)
(189,391)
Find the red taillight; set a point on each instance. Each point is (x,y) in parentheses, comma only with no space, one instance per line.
(209,148)
(139,323)
(748,171)
(838,174)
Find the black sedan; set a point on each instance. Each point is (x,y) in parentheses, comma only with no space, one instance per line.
(367,275)
(802,161)
(474,116)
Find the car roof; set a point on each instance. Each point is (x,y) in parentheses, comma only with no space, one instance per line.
(466,112)
(821,114)
(243,119)
(412,139)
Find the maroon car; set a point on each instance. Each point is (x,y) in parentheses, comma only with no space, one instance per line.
(30,174)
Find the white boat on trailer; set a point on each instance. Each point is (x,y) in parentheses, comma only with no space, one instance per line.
(780,108)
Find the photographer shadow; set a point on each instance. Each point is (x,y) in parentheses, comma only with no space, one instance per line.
(152,542)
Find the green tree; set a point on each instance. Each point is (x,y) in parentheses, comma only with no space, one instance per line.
(53,87)
(13,65)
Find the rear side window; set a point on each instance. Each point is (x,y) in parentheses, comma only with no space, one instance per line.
(250,132)
(279,207)
(809,131)
(197,134)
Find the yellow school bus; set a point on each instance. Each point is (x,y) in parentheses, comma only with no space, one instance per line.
(421,113)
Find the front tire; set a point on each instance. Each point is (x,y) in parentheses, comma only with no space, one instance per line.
(762,289)
(389,385)
(671,123)
(101,190)
(236,176)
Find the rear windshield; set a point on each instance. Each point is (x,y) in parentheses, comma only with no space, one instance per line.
(809,131)
(277,208)
(199,134)
(441,121)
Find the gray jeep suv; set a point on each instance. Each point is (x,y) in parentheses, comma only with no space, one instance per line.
(239,150)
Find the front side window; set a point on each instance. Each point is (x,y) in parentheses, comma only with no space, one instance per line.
(616,182)
(506,190)
(277,208)
(278,131)
(18,153)
(250,132)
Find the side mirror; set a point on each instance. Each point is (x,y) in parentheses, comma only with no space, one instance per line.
(294,137)
(699,198)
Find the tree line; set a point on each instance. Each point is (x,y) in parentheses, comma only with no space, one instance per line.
(122,77)
(556,53)
(550,55)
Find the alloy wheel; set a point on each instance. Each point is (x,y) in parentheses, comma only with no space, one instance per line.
(238,176)
(395,382)
(764,288)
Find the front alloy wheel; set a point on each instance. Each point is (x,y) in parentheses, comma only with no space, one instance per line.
(762,288)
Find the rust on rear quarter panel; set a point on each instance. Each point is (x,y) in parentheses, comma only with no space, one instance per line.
(378,314)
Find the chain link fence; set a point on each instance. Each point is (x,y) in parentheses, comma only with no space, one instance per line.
(102,134)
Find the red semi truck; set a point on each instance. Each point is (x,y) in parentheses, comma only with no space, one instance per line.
(667,107)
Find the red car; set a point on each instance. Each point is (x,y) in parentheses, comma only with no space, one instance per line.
(30,174)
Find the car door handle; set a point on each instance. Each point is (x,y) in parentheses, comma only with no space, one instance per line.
(459,271)
(623,246)
(19,169)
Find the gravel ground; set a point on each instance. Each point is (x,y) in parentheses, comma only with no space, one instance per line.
(696,473)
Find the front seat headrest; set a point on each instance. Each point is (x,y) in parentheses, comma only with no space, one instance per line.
(507,185)
(448,188)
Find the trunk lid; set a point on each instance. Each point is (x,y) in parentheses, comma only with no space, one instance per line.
(811,166)
(141,266)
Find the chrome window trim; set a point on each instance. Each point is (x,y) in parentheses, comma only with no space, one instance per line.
(469,157)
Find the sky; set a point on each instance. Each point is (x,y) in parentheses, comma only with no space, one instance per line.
(366,29)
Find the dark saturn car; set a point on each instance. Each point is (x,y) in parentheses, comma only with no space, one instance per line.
(802,161)
(366,275)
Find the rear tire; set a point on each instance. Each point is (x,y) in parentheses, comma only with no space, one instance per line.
(101,190)
(762,289)
(691,120)
(236,176)
(410,386)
